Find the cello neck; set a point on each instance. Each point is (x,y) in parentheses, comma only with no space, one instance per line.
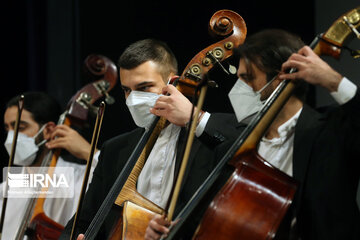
(264,118)
(35,206)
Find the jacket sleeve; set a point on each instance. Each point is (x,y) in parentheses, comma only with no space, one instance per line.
(220,127)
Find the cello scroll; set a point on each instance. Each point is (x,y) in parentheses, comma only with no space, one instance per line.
(341,31)
(104,77)
(104,73)
(224,23)
(247,225)
(123,190)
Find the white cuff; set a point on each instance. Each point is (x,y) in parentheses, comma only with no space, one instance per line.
(95,159)
(202,124)
(345,91)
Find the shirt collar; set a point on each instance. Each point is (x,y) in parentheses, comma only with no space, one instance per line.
(285,130)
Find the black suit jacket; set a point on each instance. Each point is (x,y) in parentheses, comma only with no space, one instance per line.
(204,155)
(326,162)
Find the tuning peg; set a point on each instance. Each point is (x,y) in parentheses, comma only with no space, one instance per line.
(232,69)
(109,99)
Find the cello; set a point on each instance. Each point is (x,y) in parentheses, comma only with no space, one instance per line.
(36,223)
(246,205)
(231,26)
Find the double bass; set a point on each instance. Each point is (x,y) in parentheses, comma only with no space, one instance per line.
(256,196)
(123,193)
(35,222)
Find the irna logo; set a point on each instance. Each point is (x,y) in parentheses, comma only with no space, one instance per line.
(31,182)
(37,180)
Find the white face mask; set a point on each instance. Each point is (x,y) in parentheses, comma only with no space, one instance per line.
(26,148)
(244,100)
(139,104)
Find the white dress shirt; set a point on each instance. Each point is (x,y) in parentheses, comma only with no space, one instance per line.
(58,209)
(279,151)
(157,176)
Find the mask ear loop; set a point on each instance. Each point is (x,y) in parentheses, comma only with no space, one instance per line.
(267,84)
(173,80)
(37,135)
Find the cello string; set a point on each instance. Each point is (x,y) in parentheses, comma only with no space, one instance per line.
(119,183)
(94,142)
(237,36)
(203,189)
(20,107)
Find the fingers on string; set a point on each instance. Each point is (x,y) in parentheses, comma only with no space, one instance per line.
(306,51)
(58,133)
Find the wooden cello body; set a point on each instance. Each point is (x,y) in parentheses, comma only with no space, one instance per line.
(36,224)
(255,198)
(225,24)
(136,211)
(252,203)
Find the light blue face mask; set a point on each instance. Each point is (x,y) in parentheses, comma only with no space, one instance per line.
(139,104)
(244,100)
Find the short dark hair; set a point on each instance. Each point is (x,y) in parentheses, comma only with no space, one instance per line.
(42,106)
(149,50)
(268,50)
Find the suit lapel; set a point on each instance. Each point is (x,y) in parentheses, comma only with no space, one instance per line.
(180,152)
(306,131)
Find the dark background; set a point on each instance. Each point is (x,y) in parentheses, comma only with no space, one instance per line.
(44,43)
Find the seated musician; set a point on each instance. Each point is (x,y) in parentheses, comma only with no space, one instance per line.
(316,147)
(38,120)
(145,68)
